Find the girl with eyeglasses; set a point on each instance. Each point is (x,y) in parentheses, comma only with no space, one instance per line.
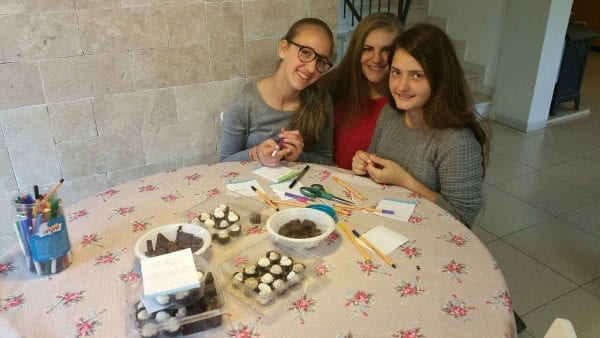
(429,139)
(358,86)
(287,116)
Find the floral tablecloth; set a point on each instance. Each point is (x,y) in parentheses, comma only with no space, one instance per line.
(446,284)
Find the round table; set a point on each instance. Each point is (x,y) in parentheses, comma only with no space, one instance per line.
(446,283)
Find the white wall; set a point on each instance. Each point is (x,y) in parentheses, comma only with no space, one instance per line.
(480,24)
(529,61)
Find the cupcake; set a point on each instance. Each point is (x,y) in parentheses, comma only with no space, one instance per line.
(238,277)
(264,264)
(163,299)
(286,263)
(223,236)
(223,224)
(204,216)
(162,316)
(274,257)
(264,293)
(143,316)
(298,268)
(224,208)
(172,327)
(181,312)
(149,330)
(232,217)
(250,271)
(267,278)
(210,223)
(251,283)
(235,230)
(276,271)
(279,285)
(292,277)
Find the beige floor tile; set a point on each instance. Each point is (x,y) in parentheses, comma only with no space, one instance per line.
(580,307)
(483,235)
(547,193)
(503,213)
(594,158)
(501,168)
(586,218)
(501,134)
(593,287)
(578,172)
(573,253)
(530,283)
(581,144)
(532,153)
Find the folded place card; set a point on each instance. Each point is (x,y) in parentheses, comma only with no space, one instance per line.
(169,273)
(402,209)
(276,174)
(384,239)
(243,187)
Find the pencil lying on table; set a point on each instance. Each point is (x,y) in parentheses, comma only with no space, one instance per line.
(349,188)
(265,198)
(354,241)
(374,248)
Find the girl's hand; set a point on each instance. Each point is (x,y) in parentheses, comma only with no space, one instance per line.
(291,143)
(360,162)
(386,172)
(268,153)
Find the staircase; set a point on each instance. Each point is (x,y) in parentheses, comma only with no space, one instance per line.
(418,12)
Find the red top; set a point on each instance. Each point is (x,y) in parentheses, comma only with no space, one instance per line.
(357,135)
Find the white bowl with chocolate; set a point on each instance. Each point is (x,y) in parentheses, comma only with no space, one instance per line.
(300,227)
(172,237)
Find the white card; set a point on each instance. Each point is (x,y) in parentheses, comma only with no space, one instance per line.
(169,273)
(243,187)
(276,174)
(384,239)
(402,209)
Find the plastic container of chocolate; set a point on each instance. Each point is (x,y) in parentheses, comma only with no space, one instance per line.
(267,275)
(227,216)
(177,318)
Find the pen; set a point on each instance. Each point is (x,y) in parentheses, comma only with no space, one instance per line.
(345,185)
(374,248)
(299,176)
(264,198)
(53,190)
(366,256)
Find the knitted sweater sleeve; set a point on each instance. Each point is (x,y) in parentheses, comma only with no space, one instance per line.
(460,171)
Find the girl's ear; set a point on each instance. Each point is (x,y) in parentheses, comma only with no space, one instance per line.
(283,46)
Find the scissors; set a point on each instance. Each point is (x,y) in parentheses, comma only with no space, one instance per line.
(317,190)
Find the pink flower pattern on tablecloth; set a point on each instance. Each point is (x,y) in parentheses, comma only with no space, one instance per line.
(109,258)
(12,303)
(410,250)
(502,300)
(321,175)
(255,229)
(230,175)
(240,261)
(332,238)
(129,276)
(412,288)
(361,302)
(245,330)
(121,211)
(87,326)
(192,177)
(211,192)
(90,240)
(149,187)
(172,196)
(456,239)
(66,299)
(416,218)
(457,308)
(455,269)
(6,268)
(415,332)
(107,194)
(77,215)
(140,225)
(302,307)
(368,268)
(322,269)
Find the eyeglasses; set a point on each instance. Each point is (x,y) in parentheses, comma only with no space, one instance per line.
(307,54)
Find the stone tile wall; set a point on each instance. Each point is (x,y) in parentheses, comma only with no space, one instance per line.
(103,91)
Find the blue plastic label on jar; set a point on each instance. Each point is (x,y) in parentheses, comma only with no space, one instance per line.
(51,240)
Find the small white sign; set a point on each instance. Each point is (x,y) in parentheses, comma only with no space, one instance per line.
(169,273)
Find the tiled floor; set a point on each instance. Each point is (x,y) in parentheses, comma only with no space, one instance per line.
(541,219)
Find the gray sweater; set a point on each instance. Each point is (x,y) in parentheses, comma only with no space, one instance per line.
(248,121)
(447,161)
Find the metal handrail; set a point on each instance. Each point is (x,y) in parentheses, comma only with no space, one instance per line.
(402,9)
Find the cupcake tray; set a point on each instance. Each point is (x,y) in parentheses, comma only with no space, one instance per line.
(236,270)
(249,212)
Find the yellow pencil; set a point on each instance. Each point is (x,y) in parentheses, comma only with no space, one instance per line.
(265,198)
(349,235)
(374,248)
(345,185)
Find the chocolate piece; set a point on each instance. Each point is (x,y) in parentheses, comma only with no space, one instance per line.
(255,218)
(299,229)
(161,240)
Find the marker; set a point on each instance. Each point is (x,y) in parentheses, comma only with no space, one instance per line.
(299,176)
(279,145)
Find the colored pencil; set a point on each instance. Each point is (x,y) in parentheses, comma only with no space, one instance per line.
(374,248)
(347,186)
(265,198)
(354,241)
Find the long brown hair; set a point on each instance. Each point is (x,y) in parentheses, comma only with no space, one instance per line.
(311,115)
(346,83)
(450,104)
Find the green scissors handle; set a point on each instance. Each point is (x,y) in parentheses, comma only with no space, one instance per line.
(317,191)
